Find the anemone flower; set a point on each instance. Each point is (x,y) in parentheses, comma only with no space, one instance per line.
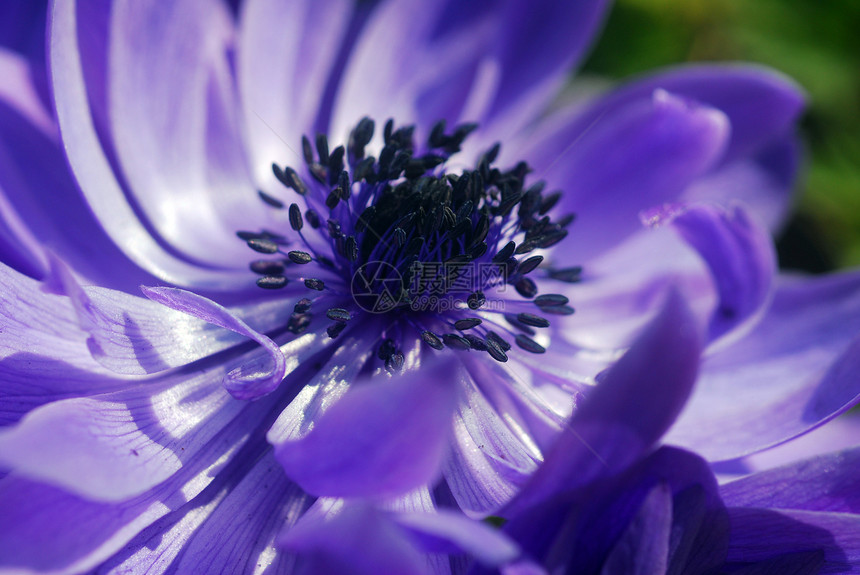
(313,194)
(631,507)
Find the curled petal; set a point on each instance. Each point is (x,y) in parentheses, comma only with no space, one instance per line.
(249,381)
(739,255)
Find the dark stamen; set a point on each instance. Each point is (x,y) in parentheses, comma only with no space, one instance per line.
(262,245)
(456,342)
(272,282)
(529,264)
(296,221)
(338,314)
(432,339)
(291,179)
(529,344)
(334,329)
(298,323)
(468,323)
(498,340)
(313,219)
(476,300)
(307,150)
(551,300)
(386,349)
(476,342)
(495,350)
(322,148)
(532,320)
(415,234)
(395,362)
(298,257)
(526,287)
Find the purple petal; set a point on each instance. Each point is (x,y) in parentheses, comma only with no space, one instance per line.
(22,24)
(643,548)
(824,483)
(524,567)
(633,405)
(378,440)
(788,563)
(838,434)
(48,529)
(91,447)
(765,535)
(90,161)
(133,335)
(491,62)
(358,539)
(539,42)
(761,105)
(172,107)
(122,327)
(451,532)
(249,381)
(321,390)
(115,446)
(43,350)
(32,218)
(30,380)
(797,369)
(643,155)
(392,65)
(266,502)
(491,455)
(283,64)
(739,254)
(19,93)
(43,529)
(621,291)
(19,248)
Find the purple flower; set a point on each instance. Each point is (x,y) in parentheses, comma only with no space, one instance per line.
(626,507)
(143,438)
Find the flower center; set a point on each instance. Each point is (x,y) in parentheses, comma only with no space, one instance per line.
(402,236)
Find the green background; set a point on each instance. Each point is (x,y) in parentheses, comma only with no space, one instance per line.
(815,42)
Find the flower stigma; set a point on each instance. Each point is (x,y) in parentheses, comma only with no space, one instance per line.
(433,252)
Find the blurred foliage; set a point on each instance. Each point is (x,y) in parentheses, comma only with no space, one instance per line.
(814,41)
